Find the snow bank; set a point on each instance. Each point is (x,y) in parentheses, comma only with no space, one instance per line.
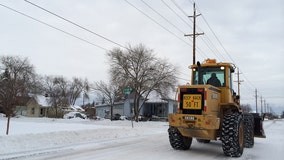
(35,138)
(42,133)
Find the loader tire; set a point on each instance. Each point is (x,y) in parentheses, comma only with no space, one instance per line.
(233,135)
(248,130)
(178,141)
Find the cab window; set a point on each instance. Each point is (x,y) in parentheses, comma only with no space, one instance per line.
(209,75)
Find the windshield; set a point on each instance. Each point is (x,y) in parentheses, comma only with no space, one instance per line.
(209,75)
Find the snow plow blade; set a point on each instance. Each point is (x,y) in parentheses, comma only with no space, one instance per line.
(258,126)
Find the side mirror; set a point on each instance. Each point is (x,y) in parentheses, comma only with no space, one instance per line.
(198,63)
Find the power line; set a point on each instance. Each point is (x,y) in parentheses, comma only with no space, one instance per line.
(200,51)
(131,4)
(218,40)
(226,52)
(187,80)
(76,24)
(249,84)
(176,13)
(210,42)
(202,54)
(21,13)
(184,79)
(191,1)
(197,27)
(205,34)
(70,34)
(186,74)
(166,20)
(208,45)
(152,19)
(184,22)
(181,9)
(162,16)
(214,47)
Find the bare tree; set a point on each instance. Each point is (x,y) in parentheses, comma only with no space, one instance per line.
(19,79)
(109,92)
(61,87)
(138,68)
(62,93)
(78,87)
(55,89)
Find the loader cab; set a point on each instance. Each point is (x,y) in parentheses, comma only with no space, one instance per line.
(206,74)
(203,73)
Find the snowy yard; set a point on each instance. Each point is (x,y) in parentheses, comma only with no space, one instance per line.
(43,138)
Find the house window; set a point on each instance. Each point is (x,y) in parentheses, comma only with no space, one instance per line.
(33,110)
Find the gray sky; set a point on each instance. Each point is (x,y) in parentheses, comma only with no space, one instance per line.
(251,33)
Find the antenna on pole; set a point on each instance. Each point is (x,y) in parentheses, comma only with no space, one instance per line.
(194,34)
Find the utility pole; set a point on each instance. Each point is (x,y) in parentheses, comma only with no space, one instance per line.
(194,34)
(256,101)
(261,111)
(239,82)
(264,106)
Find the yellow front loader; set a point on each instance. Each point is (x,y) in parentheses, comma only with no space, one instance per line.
(209,109)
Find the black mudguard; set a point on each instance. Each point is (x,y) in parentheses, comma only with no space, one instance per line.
(258,125)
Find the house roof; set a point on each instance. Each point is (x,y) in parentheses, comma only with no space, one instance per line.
(106,104)
(153,98)
(41,100)
(23,101)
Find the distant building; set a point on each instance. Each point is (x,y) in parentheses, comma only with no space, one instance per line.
(103,110)
(27,106)
(31,107)
(150,109)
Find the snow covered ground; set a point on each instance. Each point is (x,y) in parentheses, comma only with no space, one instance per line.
(44,138)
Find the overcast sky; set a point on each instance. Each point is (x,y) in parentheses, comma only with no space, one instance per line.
(251,33)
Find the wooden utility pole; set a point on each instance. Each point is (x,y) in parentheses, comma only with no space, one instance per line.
(264,104)
(194,34)
(239,82)
(256,101)
(261,111)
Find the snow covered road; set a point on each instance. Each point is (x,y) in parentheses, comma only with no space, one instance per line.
(147,140)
